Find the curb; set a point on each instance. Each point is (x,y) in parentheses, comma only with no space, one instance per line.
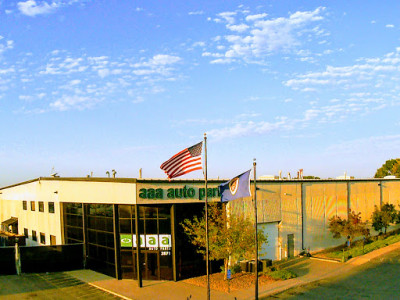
(325,259)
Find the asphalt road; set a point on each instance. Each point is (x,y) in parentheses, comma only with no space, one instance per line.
(376,279)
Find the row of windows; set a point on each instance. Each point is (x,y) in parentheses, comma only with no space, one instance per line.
(42,237)
(41,206)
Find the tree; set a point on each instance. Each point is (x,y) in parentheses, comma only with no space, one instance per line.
(350,228)
(311,177)
(382,218)
(233,237)
(390,167)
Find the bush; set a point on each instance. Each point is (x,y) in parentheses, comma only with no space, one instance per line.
(271,269)
(234,269)
(282,275)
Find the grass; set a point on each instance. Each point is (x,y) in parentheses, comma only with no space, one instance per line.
(358,248)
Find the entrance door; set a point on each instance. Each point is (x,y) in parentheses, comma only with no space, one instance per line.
(290,245)
(269,250)
(150,265)
(128,264)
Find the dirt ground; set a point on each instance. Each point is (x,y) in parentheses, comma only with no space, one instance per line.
(238,281)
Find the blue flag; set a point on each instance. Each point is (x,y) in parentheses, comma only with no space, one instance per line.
(237,187)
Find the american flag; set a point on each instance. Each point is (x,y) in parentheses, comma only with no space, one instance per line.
(186,161)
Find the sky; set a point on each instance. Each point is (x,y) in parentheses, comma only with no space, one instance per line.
(91,86)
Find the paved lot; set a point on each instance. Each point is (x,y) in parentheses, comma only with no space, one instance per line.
(48,286)
(377,279)
(372,276)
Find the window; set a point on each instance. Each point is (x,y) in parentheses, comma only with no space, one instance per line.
(52,240)
(34,238)
(42,238)
(41,206)
(24,205)
(32,205)
(51,207)
(26,234)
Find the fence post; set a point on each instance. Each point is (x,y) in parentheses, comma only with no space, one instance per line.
(17,259)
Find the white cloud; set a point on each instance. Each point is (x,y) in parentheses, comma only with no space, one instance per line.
(199,12)
(228,17)
(238,28)
(373,144)
(367,72)
(389,26)
(103,72)
(257,37)
(162,59)
(8,45)
(68,102)
(75,82)
(31,8)
(256,17)
(245,128)
(34,8)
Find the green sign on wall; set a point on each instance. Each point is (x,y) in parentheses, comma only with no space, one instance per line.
(148,240)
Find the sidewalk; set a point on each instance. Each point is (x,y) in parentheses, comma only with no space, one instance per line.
(308,269)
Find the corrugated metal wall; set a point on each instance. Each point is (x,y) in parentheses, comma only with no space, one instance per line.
(304,208)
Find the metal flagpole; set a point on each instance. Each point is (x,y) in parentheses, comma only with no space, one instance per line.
(206,212)
(255,226)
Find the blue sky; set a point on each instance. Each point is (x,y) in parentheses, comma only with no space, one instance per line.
(91,86)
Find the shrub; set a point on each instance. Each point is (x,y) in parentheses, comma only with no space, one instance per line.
(282,275)
(271,269)
(236,269)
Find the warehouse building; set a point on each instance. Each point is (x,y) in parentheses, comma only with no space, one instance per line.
(104,213)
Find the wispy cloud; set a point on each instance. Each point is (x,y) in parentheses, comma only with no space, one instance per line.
(370,145)
(84,82)
(198,12)
(32,8)
(253,37)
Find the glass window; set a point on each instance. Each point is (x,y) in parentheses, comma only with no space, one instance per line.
(41,206)
(151,226)
(42,238)
(26,234)
(51,207)
(164,226)
(125,211)
(92,209)
(150,212)
(32,205)
(24,205)
(101,224)
(52,240)
(125,226)
(34,237)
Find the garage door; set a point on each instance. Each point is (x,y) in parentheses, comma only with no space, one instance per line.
(269,250)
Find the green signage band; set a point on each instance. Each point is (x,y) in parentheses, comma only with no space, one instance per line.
(178,193)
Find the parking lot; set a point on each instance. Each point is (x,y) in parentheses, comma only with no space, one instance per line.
(49,286)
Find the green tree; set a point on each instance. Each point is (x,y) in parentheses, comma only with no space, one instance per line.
(233,237)
(382,218)
(349,228)
(390,167)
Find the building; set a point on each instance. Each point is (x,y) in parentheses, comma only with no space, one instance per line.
(104,213)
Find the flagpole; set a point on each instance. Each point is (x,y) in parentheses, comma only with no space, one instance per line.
(255,227)
(206,212)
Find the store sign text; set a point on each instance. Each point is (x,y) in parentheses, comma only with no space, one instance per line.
(156,241)
(178,193)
